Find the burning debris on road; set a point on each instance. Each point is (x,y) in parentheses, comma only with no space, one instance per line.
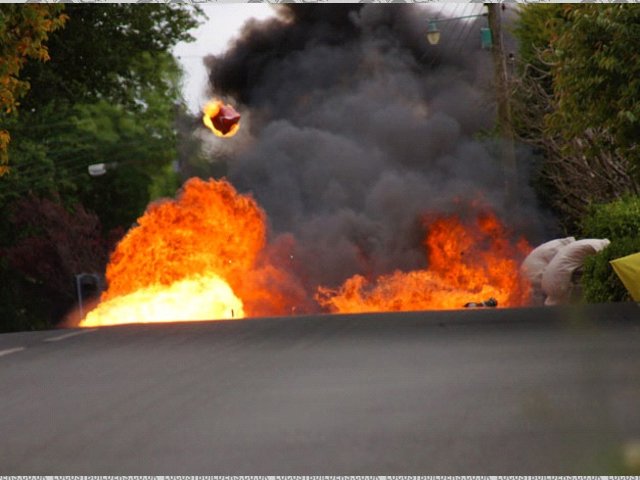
(465,259)
(491,303)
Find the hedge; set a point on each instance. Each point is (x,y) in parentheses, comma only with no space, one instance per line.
(619,221)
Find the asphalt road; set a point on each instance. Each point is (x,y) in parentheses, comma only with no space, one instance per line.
(551,391)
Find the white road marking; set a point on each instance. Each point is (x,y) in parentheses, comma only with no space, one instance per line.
(70,334)
(10,351)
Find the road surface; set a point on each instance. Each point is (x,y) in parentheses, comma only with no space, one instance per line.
(535,391)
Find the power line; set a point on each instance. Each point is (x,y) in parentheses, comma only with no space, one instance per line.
(39,184)
(452,44)
(116,146)
(30,173)
(470,27)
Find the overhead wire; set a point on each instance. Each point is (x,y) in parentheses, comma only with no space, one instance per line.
(474,26)
(45,173)
(470,30)
(38,178)
(42,183)
(115,148)
(469,26)
(38,186)
(67,158)
(455,43)
(73,123)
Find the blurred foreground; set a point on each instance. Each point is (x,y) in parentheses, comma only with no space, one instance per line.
(537,390)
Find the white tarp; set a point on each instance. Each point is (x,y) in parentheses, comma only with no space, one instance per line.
(556,277)
(539,258)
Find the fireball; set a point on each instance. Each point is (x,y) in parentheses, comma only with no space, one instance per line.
(198,257)
(191,299)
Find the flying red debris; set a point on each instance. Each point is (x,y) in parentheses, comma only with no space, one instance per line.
(223,120)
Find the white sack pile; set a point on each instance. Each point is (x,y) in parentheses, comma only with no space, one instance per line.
(549,267)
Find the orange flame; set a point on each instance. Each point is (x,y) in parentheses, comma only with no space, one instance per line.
(206,244)
(204,256)
(223,120)
(471,262)
(192,299)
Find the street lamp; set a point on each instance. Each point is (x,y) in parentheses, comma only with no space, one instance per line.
(433,33)
(98,169)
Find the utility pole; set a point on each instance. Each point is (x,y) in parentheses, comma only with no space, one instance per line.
(505,126)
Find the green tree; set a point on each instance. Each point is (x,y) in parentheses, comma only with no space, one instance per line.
(92,57)
(619,221)
(24,29)
(597,75)
(538,26)
(117,107)
(55,145)
(577,95)
(110,94)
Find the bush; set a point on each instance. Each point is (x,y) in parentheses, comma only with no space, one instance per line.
(619,221)
(599,282)
(615,220)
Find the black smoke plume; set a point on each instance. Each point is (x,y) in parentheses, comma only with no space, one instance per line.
(358,127)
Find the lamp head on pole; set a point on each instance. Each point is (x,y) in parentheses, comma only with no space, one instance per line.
(98,169)
(433,34)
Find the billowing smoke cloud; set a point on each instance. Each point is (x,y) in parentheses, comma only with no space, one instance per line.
(358,127)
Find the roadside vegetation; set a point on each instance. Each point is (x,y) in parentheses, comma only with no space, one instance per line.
(577,103)
(80,85)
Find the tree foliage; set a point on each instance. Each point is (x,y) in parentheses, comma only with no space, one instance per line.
(597,75)
(600,283)
(619,221)
(50,245)
(54,146)
(54,243)
(99,54)
(24,29)
(109,94)
(576,95)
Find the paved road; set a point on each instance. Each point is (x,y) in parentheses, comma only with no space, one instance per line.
(493,392)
